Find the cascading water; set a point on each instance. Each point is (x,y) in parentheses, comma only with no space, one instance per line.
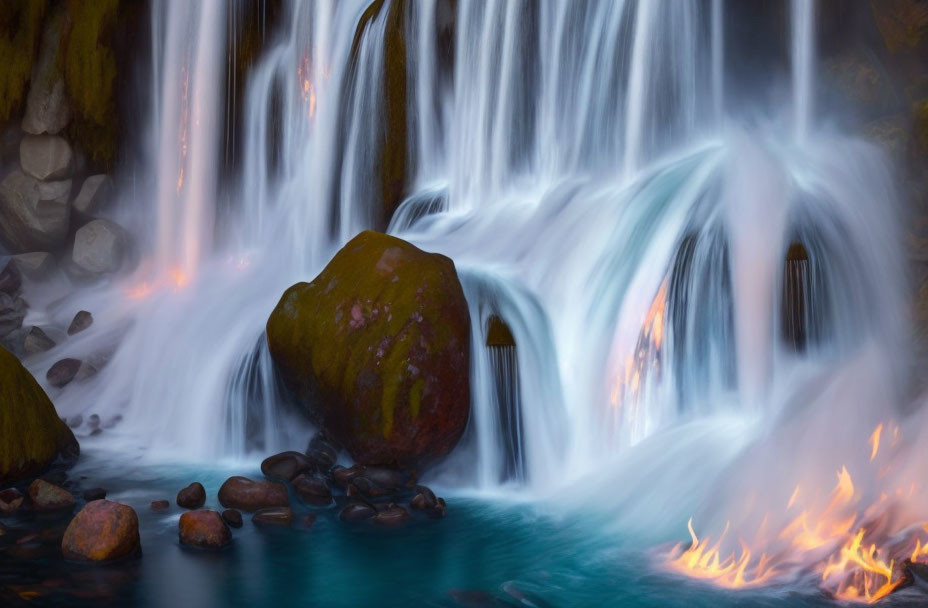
(577,163)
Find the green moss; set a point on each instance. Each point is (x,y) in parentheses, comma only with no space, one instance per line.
(20,32)
(31,434)
(89,63)
(377,347)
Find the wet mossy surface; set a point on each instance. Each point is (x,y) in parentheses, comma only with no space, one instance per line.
(32,435)
(378,349)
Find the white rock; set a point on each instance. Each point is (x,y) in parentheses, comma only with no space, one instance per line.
(58,191)
(99,247)
(27,222)
(45,157)
(95,191)
(47,108)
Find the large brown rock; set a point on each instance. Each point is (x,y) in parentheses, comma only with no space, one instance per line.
(377,347)
(204,529)
(31,433)
(249,495)
(103,530)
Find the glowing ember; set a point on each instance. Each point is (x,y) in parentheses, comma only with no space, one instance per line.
(647,352)
(859,559)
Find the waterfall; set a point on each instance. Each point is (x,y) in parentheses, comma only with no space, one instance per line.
(802,18)
(577,161)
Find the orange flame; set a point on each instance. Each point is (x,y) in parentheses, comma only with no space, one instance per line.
(851,571)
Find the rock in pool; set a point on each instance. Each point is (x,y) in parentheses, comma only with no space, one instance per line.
(102,531)
(232,517)
(160,505)
(81,321)
(312,489)
(273,516)
(249,495)
(204,529)
(47,497)
(94,494)
(286,465)
(393,516)
(11,500)
(356,511)
(192,497)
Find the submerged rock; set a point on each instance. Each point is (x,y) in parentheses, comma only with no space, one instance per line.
(356,511)
(47,497)
(37,342)
(63,372)
(94,494)
(29,222)
(286,465)
(32,435)
(249,495)
(192,497)
(102,531)
(204,529)
(11,500)
(312,489)
(232,517)
(160,505)
(393,516)
(377,347)
(81,321)
(273,516)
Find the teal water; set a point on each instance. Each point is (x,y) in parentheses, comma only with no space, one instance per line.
(485,553)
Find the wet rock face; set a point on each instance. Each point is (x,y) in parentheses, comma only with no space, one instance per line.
(249,495)
(273,516)
(47,109)
(192,497)
(102,531)
(204,529)
(33,216)
(82,320)
(99,247)
(12,313)
(10,279)
(378,349)
(45,157)
(47,497)
(31,433)
(94,194)
(313,489)
(286,465)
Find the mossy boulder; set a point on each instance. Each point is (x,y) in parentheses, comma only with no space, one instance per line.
(32,435)
(377,348)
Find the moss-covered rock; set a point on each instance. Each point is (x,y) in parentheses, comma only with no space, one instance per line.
(377,347)
(32,435)
(903,24)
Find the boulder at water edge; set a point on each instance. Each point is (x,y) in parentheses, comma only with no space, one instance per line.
(31,433)
(204,529)
(33,216)
(377,348)
(103,531)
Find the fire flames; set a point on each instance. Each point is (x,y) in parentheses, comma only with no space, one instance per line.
(852,549)
(647,352)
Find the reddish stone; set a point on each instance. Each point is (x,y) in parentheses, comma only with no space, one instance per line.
(47,497)
(249,495)
(204,529)
(102,531)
